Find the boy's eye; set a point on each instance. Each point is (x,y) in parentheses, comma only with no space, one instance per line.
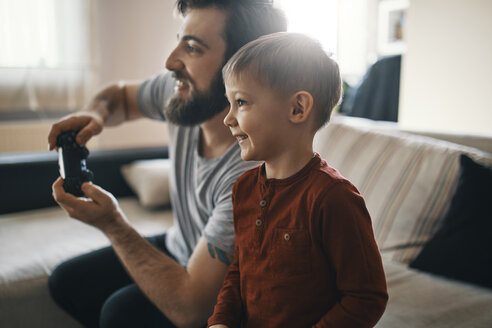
(241,102)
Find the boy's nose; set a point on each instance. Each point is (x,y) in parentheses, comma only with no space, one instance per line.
(229,120)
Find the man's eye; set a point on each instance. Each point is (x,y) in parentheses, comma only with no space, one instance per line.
(192,49)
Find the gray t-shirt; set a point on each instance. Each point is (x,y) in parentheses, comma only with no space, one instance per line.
(201,188)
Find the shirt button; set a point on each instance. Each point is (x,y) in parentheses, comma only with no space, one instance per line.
(287,237)
(258,222)
(263,203)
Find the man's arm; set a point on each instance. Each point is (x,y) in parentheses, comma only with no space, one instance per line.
(111,106)
(229,307)
(185,295)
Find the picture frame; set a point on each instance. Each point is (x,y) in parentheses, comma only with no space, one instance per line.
(391,26)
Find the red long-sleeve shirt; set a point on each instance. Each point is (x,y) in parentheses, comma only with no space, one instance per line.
(305,254)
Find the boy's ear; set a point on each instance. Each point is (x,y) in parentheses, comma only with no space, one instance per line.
(302,106)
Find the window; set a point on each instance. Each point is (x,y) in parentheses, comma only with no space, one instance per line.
(317,18)
(45,57)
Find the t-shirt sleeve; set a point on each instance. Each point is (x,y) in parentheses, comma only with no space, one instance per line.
(219,230)
(153,94)
(228,309)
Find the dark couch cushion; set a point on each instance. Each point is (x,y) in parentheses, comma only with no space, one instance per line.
(26,178)
(462,247)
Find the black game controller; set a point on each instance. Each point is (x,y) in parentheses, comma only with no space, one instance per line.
(71,160)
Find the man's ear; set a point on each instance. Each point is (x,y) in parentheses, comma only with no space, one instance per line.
(302,106)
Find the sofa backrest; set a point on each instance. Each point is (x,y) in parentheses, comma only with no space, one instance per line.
(407,180)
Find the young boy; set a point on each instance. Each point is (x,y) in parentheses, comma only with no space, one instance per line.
(305,253)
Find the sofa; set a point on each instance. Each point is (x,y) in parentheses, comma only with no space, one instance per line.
(411,181)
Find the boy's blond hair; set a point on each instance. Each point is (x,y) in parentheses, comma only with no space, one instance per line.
(287,63)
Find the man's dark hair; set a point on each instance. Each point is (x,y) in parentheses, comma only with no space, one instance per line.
(246,19)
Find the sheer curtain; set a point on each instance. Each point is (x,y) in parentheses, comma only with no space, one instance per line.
(46,55)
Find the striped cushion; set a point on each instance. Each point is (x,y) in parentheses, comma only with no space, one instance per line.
(406,180)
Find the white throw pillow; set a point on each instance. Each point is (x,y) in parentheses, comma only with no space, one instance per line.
(149,179)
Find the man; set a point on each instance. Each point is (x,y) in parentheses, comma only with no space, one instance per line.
(172,279)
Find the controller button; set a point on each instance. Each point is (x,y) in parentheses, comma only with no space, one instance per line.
(84,152)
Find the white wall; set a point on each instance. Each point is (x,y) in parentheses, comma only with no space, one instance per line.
(446,79)
(133,41)
(356,48)
(133,37)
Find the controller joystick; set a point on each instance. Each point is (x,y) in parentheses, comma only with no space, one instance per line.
(72,164)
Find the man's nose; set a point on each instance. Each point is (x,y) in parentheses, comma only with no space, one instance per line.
(173,62)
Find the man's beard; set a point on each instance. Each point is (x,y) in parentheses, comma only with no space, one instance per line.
(200,107)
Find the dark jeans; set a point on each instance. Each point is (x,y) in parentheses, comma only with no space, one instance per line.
(96,290)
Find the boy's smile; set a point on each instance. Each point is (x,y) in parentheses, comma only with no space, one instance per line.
(240,138)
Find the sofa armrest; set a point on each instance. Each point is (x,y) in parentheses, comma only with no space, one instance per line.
(27,178)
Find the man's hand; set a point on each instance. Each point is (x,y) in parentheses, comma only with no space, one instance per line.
(218,326)
(111,106)
(89,124)
(186,295)
(90,121)
(100,209)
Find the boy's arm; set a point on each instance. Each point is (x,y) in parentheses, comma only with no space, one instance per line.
(349,242)
(228,310)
